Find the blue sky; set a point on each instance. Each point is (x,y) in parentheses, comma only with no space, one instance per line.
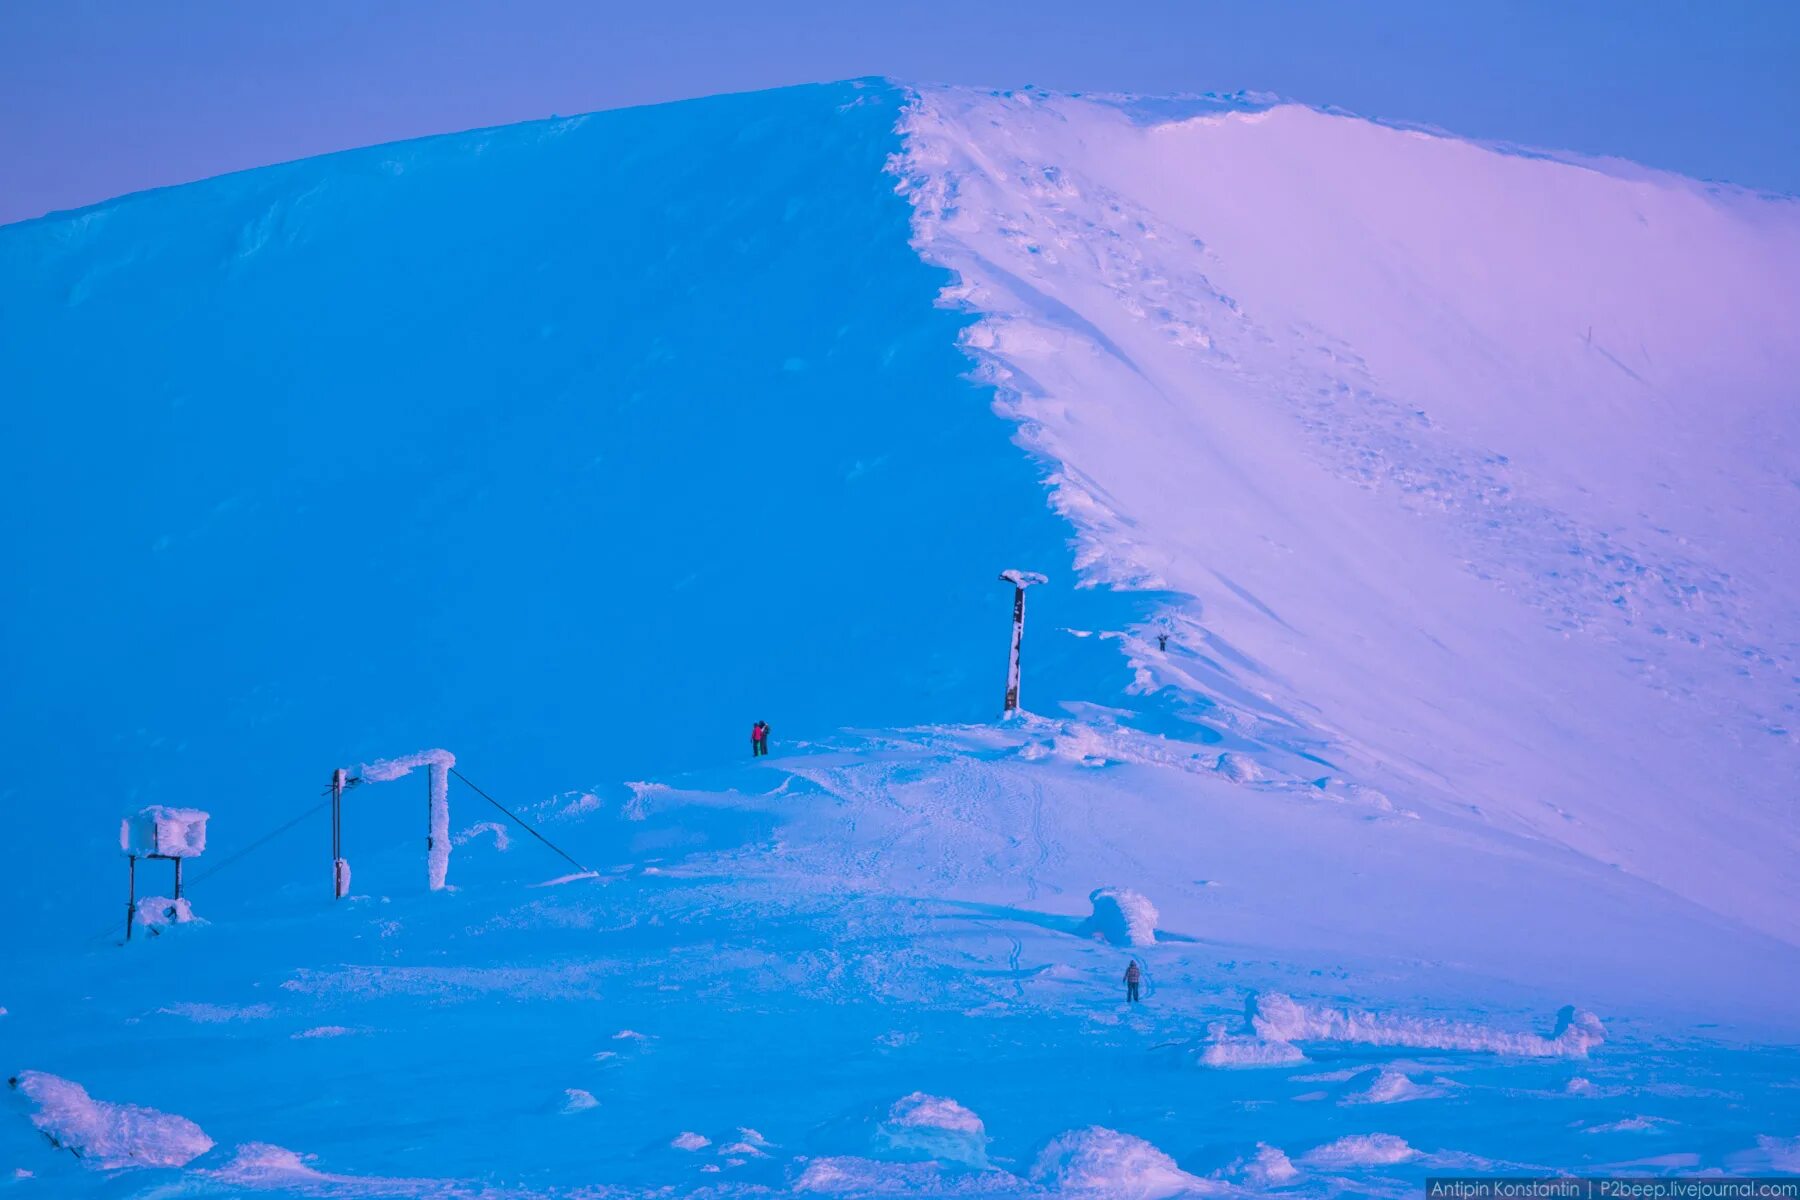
(100,97)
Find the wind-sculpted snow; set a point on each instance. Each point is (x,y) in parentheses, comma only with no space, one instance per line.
(1097,1161)
(107,1134)
(1122,917)
(1276,1022)
(1480,463)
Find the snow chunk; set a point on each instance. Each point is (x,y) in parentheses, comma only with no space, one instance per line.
(934,1127)
(934,1112)
(109,1135)
(1121,916)
(689,1140)
(1097,1161)
(1278,1018)
(160,910)
(1384,1086)
(1361,1149)
(1239,768)
(171,832)
(327,1031)
(578,1100)
(1268,1167)
(1235,1050)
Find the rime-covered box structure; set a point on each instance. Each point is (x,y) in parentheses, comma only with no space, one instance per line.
(172,834)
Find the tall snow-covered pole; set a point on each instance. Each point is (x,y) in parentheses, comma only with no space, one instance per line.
(340,870)
(1020,581)
(437,842)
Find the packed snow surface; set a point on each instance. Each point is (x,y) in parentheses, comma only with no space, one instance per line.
(1417,522)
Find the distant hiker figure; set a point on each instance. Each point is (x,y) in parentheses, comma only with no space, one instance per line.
(759,739)
(1162,641)
(1133,977)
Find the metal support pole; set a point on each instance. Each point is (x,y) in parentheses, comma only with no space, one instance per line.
(339,884)
(177,877)
(1020,581)
(131,901)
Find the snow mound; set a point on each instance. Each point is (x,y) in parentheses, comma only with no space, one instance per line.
(1097,1161)
(160,910)
(109,1135)
(268,1167)
(1239,768)
(1122,917)
(1226,1049)
(934,1127)
(171,832)
(1783,1154)
(919,1110)
(1275,1017)
(690,1141)
(1382,1085)
(1361,1150)
(578,1100)
(851,1176)
(1268,1167)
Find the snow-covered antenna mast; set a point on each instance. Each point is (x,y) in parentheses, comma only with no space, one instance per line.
(1020,581)
(437,764)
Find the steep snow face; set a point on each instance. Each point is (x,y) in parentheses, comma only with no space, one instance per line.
(1480,464)
(578,446)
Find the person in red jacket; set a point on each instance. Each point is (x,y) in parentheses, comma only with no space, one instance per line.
(759,739)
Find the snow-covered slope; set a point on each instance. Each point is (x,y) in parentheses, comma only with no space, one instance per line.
(1453,825)
(1485,464)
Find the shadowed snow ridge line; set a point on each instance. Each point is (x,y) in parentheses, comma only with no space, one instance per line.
(1481,463)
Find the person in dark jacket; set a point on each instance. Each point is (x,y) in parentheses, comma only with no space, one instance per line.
(759,739)
(1133,976)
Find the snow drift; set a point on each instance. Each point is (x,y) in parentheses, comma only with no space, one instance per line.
(105,1134)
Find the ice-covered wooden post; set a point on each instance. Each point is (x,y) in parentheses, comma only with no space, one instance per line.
(171,834)
(1020,581)
(437,764)
(340,869)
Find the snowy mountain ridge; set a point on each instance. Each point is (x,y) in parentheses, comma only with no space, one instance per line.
(1411,696)
(1291,295)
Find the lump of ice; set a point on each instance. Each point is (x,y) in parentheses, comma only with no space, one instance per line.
(170,832)
(934,1127)
(1097,1161)
(160,910)
(690,1141)
(1121,916)
(108,1135)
